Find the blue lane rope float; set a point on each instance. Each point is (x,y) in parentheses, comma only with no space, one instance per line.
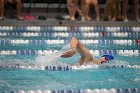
(58,68)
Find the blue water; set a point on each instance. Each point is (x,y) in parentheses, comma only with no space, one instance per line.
(33,79)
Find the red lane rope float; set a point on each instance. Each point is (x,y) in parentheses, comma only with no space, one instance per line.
(72,28)
(137,41)
(103,34)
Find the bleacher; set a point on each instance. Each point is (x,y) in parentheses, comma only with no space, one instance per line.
(56,4)
(59,7)
(49,4)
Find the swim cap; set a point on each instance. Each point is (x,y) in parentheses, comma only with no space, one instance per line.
(108,57)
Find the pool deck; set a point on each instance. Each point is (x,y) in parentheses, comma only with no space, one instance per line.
(56,22)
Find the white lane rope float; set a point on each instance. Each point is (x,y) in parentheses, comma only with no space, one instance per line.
(68,28)
(68,33)
(47,52)
(128,42)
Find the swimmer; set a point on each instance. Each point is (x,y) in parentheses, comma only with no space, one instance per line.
(86,56)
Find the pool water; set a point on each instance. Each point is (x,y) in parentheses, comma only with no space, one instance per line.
(85,77)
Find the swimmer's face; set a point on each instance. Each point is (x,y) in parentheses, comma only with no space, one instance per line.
(102,59)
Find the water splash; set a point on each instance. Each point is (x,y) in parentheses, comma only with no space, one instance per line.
(52,59)
(116,63)
(16,62)
(30,63)
(85,67)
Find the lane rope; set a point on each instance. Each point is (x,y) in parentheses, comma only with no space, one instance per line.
(67,68)
(112,90)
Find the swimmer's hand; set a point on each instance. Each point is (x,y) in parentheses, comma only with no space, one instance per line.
(69,53)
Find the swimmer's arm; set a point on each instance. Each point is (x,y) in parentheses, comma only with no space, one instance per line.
(69,53)
(80,62)
(74,43)
(72,51)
